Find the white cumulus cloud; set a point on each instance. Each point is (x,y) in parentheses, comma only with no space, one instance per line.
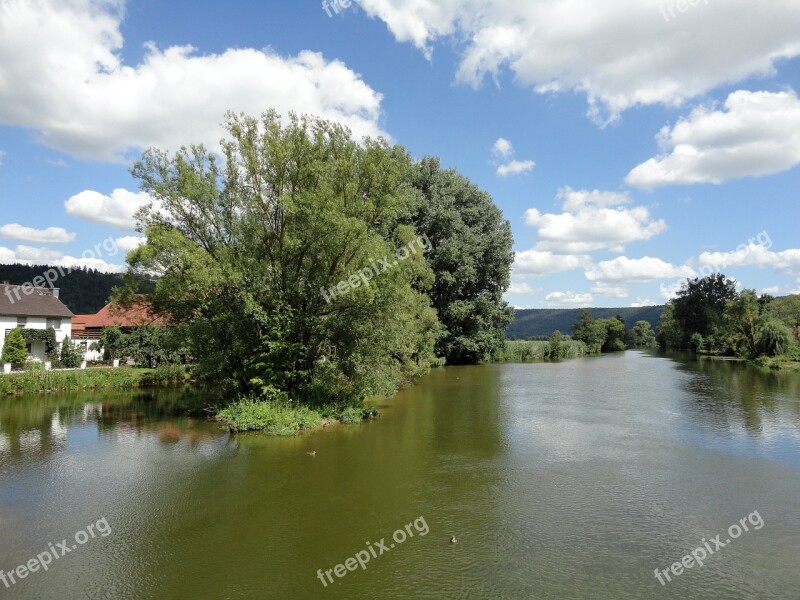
(503,148)
(515,167)
(117,209)
(642,302)
(28,255)
(756,133)
(592,220)
(636,270)
(63,77)
(129,242)
(611,291)
(51,235)
(569,299)
(619,53)
(535,262)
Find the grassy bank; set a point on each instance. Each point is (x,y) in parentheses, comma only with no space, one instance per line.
(286,418)
(528,351)
(778,363)
(122,378)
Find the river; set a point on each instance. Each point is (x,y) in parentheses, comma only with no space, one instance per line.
(576,479)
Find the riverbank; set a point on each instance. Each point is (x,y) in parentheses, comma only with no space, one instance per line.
(789,364)
(121,378)
(520,351)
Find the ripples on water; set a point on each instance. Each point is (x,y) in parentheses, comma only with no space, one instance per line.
(564,480)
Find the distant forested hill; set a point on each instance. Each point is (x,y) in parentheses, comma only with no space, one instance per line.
(84,291)
(543,322)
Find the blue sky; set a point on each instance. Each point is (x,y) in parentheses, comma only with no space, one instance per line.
(630,144)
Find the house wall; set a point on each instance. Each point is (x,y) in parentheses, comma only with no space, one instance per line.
(89,355)
(38,349)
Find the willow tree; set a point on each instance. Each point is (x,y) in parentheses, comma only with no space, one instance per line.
(249,246)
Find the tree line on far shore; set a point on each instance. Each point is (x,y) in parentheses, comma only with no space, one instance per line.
(710,316)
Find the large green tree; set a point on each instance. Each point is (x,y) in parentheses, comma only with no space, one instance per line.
(280,261)
(471,256)
(642,335)
(741,321)
(700,305)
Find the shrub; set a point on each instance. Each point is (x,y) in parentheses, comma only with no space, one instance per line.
(352,415)
(14,349)
(70,356)
(774,338)
(696,342)
(166,375)
(279,418)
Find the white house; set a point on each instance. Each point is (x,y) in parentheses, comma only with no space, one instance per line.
(33,308)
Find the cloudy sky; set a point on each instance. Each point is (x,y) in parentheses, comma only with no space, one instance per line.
(629,143)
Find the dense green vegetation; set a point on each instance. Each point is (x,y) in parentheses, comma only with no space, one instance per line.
(471,259)
(148,346)
(296,268)
(557,347)
(541,323)
(36,380)
(709,316)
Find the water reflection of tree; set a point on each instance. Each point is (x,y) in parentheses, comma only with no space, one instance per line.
(732,394)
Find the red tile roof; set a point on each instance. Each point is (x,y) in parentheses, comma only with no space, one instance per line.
(138,314)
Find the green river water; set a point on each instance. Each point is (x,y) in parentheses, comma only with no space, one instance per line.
(575,479)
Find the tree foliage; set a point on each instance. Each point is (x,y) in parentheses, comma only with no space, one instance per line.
(14,348)
(70,357)
(245,248)
(600,335)
(774,338)
(471,257)
(642,335)
(749,326)
(700,306)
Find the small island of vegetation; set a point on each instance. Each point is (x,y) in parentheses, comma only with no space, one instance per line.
(308,272)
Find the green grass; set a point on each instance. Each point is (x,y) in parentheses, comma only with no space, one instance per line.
(37,381)
(520,351)
(281,417)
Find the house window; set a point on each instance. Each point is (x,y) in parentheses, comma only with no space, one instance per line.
(22,321)
(54,323)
